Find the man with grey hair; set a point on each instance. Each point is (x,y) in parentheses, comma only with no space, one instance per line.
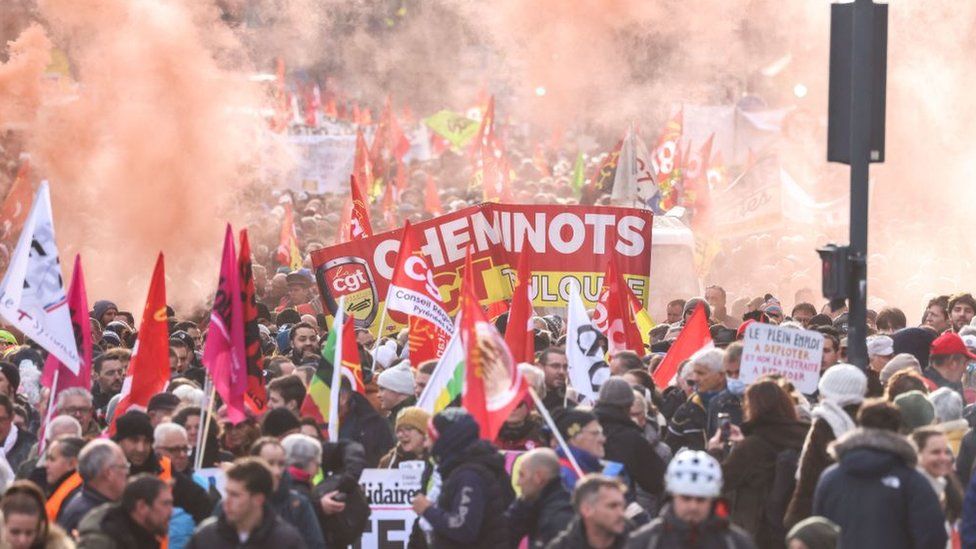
(102,473)
(33,467)
(542,510)
(77,402)
(689,426)
(171,441)
(302,452)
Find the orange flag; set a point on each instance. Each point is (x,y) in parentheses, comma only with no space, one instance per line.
(288,252)
(432,200)
(359,225)
(362,168)
(149,368)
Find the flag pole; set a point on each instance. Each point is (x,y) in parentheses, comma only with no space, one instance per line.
(555,431)
(379,332)
(49,414)
(205,415)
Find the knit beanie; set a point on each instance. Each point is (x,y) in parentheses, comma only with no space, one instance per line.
(916,410)
(7,337)
(692,303)
(616,392)
(815,533)
(278,422)
(133,424)
(903,361)
(384,354)
(843,384)
(398,379)
(570,421)
(414,418)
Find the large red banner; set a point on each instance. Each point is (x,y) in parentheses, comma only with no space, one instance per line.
(568,248)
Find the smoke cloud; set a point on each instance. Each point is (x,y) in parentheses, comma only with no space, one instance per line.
(158,143)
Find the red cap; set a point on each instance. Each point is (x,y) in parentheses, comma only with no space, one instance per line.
(950,344)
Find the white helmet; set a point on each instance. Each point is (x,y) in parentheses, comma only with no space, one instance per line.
(694,473)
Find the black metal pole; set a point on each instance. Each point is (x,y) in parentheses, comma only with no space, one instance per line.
(862,55)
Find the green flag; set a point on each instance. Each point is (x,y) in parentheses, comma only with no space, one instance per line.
(456,128)
(579,178)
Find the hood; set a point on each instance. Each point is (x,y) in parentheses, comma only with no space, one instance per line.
(873,452)
(481,452)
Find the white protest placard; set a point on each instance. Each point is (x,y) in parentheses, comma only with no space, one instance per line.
(794,354)
(389,493)
(323,164)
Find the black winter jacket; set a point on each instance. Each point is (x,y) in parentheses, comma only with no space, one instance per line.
(541,519)
(626,444)
(364,425)
(470,511)
(876,496)
(670,532)
(109,527)
(574,537)
(216,532)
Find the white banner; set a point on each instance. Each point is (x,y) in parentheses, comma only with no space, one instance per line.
(389,493)
(795,354)
(324,163)
(32,295)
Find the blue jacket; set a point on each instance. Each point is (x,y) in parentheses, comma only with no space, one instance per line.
(296,510)
(181,528)
(876,496)
(587,462)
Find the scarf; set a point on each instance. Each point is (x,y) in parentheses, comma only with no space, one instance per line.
(835,416)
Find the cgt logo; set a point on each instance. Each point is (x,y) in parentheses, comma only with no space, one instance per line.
(345,281)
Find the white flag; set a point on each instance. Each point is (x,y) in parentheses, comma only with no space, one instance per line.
(586,347)
(633,183)
(32,295)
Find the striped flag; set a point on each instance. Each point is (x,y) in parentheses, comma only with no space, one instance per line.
(340,349)
(447,381)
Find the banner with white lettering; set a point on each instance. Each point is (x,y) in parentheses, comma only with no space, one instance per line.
(389,493)
(794,354)
(568,249)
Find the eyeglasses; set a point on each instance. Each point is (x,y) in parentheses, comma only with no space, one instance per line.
(175,449)
(77,410)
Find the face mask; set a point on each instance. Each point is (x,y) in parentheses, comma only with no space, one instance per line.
(735,386)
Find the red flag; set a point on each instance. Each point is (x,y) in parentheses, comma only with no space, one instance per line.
(614,314)
(288,252)
(486,131)
(414,294)
(519,335)
(362,169)
(432,200)
(389,136)
(330,109)
(224,355)
(493,387)
(149,368)
(693,337)
(359,225)
(78,305)
(695,179)
(256,397)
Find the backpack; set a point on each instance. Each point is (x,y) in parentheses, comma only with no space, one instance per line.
(781,491)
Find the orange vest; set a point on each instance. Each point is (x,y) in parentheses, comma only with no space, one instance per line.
(72,483)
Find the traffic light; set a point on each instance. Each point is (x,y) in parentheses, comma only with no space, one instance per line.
(836,271)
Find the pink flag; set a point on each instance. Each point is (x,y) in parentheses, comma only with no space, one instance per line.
(66,379)
(224,354)
(78,306)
